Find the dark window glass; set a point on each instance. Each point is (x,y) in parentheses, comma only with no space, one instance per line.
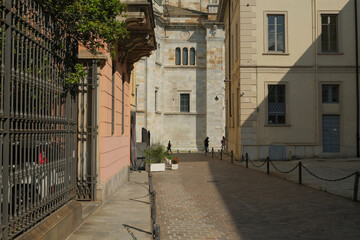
(177,56)
(192,56)
(184,102)
(329,33)
(276,104)
(113,98)
(185,56)
(330,93)
(276,33)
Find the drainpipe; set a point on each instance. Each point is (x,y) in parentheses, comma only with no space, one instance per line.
(357,77)
(230,113)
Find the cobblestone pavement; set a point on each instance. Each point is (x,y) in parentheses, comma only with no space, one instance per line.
(211,199)
(329,169)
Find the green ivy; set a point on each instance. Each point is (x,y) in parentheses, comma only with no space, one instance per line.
(91,22)
(94,23)
(73,78)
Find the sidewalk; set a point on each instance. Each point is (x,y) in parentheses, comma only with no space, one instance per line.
(125,215)
(329,169)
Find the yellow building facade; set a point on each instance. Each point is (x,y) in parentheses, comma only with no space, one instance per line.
(291,79)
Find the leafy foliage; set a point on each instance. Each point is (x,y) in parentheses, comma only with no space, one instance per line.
(155,153)
(91,22)
(73,79)
(94,23)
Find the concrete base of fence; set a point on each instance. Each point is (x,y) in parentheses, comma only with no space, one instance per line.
(104,191)
(58,225)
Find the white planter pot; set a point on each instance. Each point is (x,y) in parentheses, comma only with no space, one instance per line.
(174,166)
(155,167)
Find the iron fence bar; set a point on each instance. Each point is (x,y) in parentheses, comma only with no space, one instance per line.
(6,134)
(356,186)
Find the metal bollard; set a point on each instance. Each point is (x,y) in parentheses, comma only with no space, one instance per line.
(232,156)
(268,165)
(156,232)
(221,154)
(212,152)
(247,160)
(300,172)
(356,186)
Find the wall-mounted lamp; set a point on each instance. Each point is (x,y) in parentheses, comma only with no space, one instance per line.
(242,94)
(217,98)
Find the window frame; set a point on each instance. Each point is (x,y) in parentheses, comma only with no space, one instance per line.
(180,102)
(185,56)
(328,14)
(328,97)
(113,76)
(192,58)
(286,93)
(178,56)
(266,33)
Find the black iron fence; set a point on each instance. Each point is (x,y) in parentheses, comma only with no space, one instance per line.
(37,119)
(155,228)
(87,133)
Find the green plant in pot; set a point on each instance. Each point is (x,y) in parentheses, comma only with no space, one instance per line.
(155,153)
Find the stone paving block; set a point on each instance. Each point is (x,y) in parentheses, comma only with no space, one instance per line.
(212,199)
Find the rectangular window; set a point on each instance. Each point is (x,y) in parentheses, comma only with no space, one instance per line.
(329,32)
(184,102)
(330,93)
(276,33)
(237,42)
(156,100)
(113,98)
(276,104)
(123,106)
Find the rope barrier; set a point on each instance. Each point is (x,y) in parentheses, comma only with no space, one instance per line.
(293,169)
(328,180)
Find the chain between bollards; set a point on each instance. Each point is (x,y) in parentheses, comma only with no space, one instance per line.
(356,186)
(300,172)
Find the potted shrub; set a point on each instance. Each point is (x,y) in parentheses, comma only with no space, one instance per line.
(155,156)
(174,163)
(169,159)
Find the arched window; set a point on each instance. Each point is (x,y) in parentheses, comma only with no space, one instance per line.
(185,56)
(192,56)
(177,56)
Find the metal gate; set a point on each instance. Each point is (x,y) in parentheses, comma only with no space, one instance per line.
(37,118)
(331,133)
(87,133)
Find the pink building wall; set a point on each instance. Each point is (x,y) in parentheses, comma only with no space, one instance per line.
(114,148)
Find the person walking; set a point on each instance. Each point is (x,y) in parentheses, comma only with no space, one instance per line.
(206,144)
(169,147)
(223,143)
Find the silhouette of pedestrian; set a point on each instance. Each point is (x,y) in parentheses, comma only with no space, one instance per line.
(206,144)
(223,143)
(169,147)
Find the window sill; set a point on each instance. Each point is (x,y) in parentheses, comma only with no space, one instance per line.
(331,53)
(157,112)
(277,125)
(185,66)
(277,53)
